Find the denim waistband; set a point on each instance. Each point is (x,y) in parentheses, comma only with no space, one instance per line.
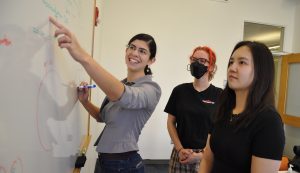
(116,156)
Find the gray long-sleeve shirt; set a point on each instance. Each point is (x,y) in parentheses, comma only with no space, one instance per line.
(126,117)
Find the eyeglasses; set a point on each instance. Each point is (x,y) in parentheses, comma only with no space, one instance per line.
(200,60)
(141,51)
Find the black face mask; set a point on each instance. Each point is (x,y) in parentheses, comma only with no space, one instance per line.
(198,69)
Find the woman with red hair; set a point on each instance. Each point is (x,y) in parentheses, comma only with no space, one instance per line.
(189,109)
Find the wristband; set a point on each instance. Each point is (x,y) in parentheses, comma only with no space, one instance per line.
(180,149)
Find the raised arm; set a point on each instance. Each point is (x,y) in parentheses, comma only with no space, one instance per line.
(110,85)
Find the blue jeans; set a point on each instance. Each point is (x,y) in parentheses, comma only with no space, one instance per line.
(134,164)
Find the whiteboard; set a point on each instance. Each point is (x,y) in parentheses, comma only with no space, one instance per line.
(42,124)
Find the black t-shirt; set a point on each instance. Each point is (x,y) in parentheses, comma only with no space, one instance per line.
(193,112)
(233,150)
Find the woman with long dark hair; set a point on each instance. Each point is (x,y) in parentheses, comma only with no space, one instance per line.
(248,133)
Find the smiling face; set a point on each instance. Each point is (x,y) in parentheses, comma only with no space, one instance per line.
(138,56)
(240,72)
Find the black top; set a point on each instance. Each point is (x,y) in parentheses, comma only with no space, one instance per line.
(193,111)
(233,150)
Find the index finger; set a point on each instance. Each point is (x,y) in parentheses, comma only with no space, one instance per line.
(56,23)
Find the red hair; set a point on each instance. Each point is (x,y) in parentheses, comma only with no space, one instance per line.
(212,59)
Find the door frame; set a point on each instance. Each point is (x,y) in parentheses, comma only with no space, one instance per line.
(287,60)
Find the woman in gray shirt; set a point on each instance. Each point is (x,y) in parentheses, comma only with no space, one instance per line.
(128,104)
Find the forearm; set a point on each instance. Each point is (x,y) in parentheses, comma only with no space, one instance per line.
(263,165)
(110,85)
(92,109)
(207,161)
(205,166)
(174,136)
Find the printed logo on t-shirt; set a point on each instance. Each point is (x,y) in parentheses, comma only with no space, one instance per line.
(208,101)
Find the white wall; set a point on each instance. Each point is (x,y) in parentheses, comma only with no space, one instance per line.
(178,26)
(296,43)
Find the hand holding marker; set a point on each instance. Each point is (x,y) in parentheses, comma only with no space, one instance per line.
(87,86)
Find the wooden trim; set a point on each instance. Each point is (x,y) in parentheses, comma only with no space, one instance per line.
(76,170)
(282,88)
(83,149)
(286,61)
(87,138)
(85,144)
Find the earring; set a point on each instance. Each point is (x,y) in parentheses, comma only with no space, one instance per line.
(188,67)
(147,70)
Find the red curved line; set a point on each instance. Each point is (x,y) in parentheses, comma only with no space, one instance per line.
(45,148)
(5,42)
(15,162)
(3,169)
(21,163)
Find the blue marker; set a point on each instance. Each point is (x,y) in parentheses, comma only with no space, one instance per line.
(87,86)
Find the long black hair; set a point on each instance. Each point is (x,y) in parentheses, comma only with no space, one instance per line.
(261,92)
(151,44)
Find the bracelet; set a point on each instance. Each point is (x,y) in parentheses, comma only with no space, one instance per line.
(180,149)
